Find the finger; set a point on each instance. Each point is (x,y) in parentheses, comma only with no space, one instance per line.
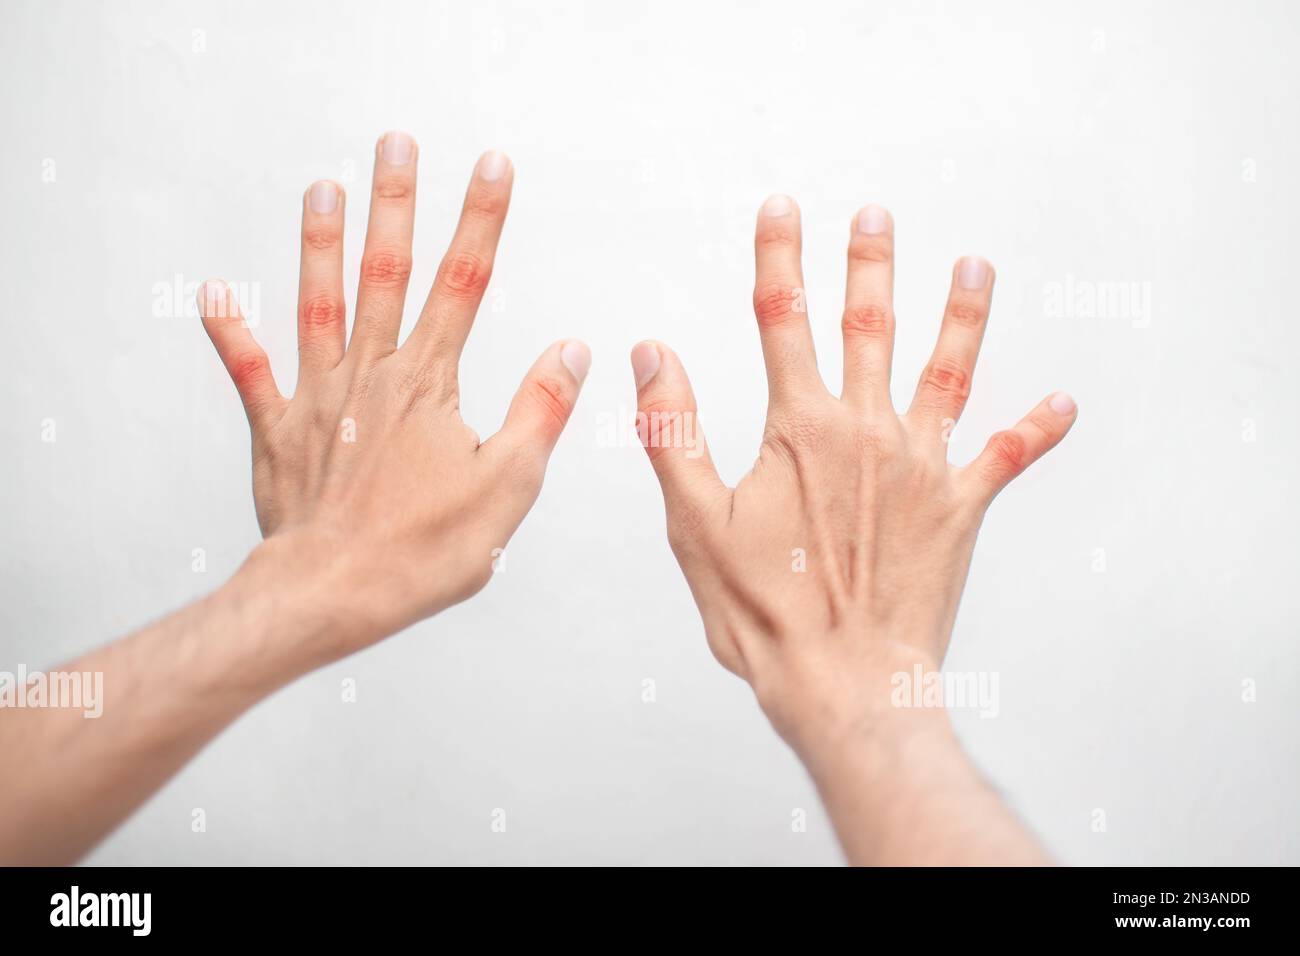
(543,404)
(868,323)
(386,258)
(322,312)
(244,359)
(945,384)
(780,304)
(1010,452)
(668,425)
(462,278)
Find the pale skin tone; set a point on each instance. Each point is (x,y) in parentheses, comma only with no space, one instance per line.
(381,507)
(838,561)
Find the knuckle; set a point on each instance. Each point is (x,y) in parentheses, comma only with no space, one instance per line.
(967,315)
(386,268)
(947,380)
(321,312)
(1006,453)
(249,369)
(871,249)
(394,188)
(550,396)
(770,233)
(483,204)
(464,275)
(870,321)
(774,304)
(1041,424)
(320,238)
(661,427)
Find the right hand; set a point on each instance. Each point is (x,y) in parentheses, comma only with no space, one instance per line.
(840,558)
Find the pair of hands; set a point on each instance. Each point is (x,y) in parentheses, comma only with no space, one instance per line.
(838,560)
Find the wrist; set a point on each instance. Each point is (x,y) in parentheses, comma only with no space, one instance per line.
(881,745)
(895,780)
(297,607)
(821,701)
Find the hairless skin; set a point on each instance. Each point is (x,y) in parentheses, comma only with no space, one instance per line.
(839,559)
(379,506)
(358,546)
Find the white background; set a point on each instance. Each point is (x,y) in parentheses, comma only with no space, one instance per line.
(1093,143)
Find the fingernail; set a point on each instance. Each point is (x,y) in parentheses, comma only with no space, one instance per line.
(973,273)
(1061,403)
(873,220)
(645,363)
(324,197)
(397,148)
(778,205)
(577,359)
(492,166)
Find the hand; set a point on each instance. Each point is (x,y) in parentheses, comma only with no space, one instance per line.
(368,474)
(379,507)
(840,558)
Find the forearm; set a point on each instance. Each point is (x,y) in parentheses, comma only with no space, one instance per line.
(900,791)
(167,690)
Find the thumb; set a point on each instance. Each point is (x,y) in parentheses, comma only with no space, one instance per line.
(667,423)
(545,399)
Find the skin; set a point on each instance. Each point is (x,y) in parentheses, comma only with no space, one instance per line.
(380,507)
(378,504)
(839,559)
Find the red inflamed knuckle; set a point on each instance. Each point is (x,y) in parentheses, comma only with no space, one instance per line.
(321,238)
(947,380)
(464,275)
(394,189)
(868,321)
(551,397)
(661,426)
(321,312)
(969,316)
(775,304)
(1007,452)
(249,370)
(386,268)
